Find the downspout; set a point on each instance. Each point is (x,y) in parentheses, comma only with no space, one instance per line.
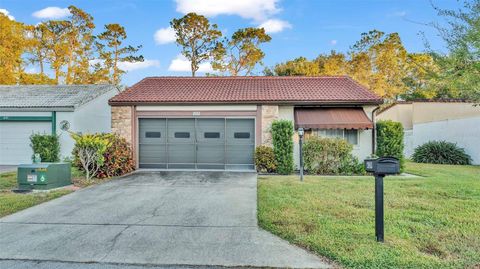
(374,131)
(54,123)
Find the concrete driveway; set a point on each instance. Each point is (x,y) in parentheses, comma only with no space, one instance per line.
(153,218)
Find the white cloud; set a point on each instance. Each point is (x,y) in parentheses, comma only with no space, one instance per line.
(275,26)
(51,13)
(164,35)
(333,42)
(7,13)
(182,64)
(401,13)
(248,9)
(127,66)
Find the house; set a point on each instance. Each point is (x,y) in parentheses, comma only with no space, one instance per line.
(25,110)
(454,121)
(216,122)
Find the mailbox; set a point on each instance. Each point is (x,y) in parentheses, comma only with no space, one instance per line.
(383,166)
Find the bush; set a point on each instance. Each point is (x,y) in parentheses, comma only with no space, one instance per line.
(88,152)
(47,146)
(282,138)
(441,152)
(265,159)
(102,155)
(390,140)
(117,158)
(330,156)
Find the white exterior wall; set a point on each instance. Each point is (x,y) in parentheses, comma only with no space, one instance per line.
(92,117)
(465,132)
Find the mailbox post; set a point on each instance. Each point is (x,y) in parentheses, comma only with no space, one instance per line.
(300,134)
(380,168)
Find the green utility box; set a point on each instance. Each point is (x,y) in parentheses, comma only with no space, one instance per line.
(43,176)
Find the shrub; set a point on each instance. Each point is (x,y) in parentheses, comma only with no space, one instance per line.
(117,158)
(47,146)
(282,138)
(390,140)
(88,152)
(265,159)
(330,156)
(441,152)
(102,155)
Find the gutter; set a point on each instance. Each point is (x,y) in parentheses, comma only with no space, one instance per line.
(374,131)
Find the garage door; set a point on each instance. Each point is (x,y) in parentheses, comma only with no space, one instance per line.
(200,143)
(15,140)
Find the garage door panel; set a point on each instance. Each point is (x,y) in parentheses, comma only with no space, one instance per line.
(181,131)
(181,153)
(15,140)
(153,154)
(211,154)
(152,131)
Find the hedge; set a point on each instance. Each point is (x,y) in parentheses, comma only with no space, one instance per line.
(390,140)
(282,138)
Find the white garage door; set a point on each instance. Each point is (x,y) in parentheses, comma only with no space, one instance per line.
(15,140)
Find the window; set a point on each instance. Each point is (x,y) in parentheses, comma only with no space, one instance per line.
(350,135)
(241,135)
(153,135)
(182,135)
(211,135)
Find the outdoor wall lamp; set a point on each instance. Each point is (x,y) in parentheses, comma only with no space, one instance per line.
(300,135)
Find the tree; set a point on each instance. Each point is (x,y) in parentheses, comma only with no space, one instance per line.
(12,46)
(460,67)
(57,46)
(388,58)
(297,67)
(197,37)
(332,64)
(38,49)
(240,53)
(80,40)
(112,53)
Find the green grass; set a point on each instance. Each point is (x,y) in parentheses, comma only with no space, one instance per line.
(430,222)
(12,202)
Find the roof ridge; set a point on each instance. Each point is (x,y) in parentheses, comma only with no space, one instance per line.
(244,77)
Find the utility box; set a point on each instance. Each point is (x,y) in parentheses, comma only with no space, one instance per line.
(43,176)
(383,166)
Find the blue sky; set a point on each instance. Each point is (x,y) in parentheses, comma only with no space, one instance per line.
(298,27)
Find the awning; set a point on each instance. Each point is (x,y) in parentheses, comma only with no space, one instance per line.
(332,118)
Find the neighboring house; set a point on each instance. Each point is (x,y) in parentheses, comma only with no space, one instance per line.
(25,110)
(216,122)
(449,120)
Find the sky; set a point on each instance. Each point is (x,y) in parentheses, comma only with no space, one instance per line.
(297,27)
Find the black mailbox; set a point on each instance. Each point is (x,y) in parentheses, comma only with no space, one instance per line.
(383,166)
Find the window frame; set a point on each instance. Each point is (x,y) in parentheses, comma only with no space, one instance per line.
(318,132)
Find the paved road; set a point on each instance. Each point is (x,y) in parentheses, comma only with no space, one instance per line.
(152,218)
(7,168)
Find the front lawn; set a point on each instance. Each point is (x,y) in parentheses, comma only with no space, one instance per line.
(430,222)
(12,202)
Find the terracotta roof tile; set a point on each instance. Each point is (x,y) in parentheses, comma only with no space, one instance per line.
(338,89)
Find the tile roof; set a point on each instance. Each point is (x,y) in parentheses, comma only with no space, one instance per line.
(259,89)
(50,96)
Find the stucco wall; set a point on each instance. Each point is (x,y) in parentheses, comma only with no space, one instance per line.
(402,113)
(465,132)
(270,113)
(436,111)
